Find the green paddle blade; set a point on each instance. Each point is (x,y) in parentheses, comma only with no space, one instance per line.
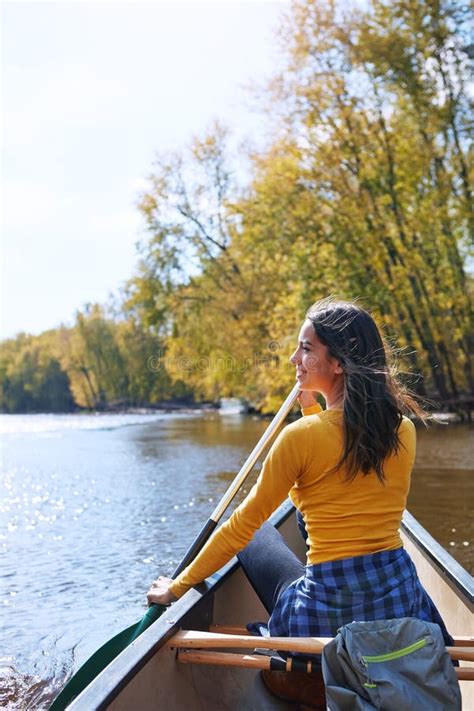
(100,659)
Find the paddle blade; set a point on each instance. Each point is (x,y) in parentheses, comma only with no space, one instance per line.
(102,658)
(152,614)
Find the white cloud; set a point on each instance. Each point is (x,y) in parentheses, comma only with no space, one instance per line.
(69,94)
(124,221)
(30,204)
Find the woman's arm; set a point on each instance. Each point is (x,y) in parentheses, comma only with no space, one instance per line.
(279,473)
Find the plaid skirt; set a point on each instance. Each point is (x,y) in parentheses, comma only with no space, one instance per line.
(379,586)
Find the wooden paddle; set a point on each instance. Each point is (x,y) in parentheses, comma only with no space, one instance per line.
(261,661)
(100,659)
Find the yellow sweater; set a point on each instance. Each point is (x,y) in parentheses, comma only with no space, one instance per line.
(343,519)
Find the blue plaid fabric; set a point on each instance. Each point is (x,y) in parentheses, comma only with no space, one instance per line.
(379,586)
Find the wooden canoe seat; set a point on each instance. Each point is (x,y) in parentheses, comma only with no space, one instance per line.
(199,647)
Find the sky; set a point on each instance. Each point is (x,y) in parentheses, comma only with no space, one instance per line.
(91,91)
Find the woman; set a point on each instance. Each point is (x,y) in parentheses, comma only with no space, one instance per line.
(347,469)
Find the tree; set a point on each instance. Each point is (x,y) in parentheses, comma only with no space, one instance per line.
(32,379)
(364,192)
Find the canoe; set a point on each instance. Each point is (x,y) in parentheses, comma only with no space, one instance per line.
(148,676)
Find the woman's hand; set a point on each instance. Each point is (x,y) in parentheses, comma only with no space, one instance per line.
(160,592)
(306,399)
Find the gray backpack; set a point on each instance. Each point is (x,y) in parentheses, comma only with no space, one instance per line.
(394,665)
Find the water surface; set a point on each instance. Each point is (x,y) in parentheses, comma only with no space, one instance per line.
(94,507)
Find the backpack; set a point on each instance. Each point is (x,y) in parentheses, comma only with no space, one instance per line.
(390,665)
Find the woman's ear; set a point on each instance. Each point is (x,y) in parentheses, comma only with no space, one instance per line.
(338,370)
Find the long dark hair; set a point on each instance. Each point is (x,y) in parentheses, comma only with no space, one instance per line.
(374,400)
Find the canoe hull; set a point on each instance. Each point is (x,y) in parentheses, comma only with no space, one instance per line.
(147,676)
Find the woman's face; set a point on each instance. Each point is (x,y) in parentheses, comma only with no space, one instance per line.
(316,369)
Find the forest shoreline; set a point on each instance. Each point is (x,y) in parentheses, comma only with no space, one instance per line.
(189,407)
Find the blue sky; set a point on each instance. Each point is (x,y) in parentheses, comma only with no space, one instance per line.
(91,91)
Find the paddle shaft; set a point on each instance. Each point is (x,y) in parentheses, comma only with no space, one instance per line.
(188,639)
(207,530)
(262,661)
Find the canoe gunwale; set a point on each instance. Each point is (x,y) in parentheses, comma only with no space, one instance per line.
(456,576)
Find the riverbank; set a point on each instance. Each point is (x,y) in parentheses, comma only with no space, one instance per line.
(188,405)
(165,406)
(170,407)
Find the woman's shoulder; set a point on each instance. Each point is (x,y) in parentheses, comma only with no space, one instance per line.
(407,436)
(407,425)
(318,421)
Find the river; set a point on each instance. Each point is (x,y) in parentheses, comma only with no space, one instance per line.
(93,507)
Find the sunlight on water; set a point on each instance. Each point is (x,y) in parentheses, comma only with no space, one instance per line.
(20,424)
